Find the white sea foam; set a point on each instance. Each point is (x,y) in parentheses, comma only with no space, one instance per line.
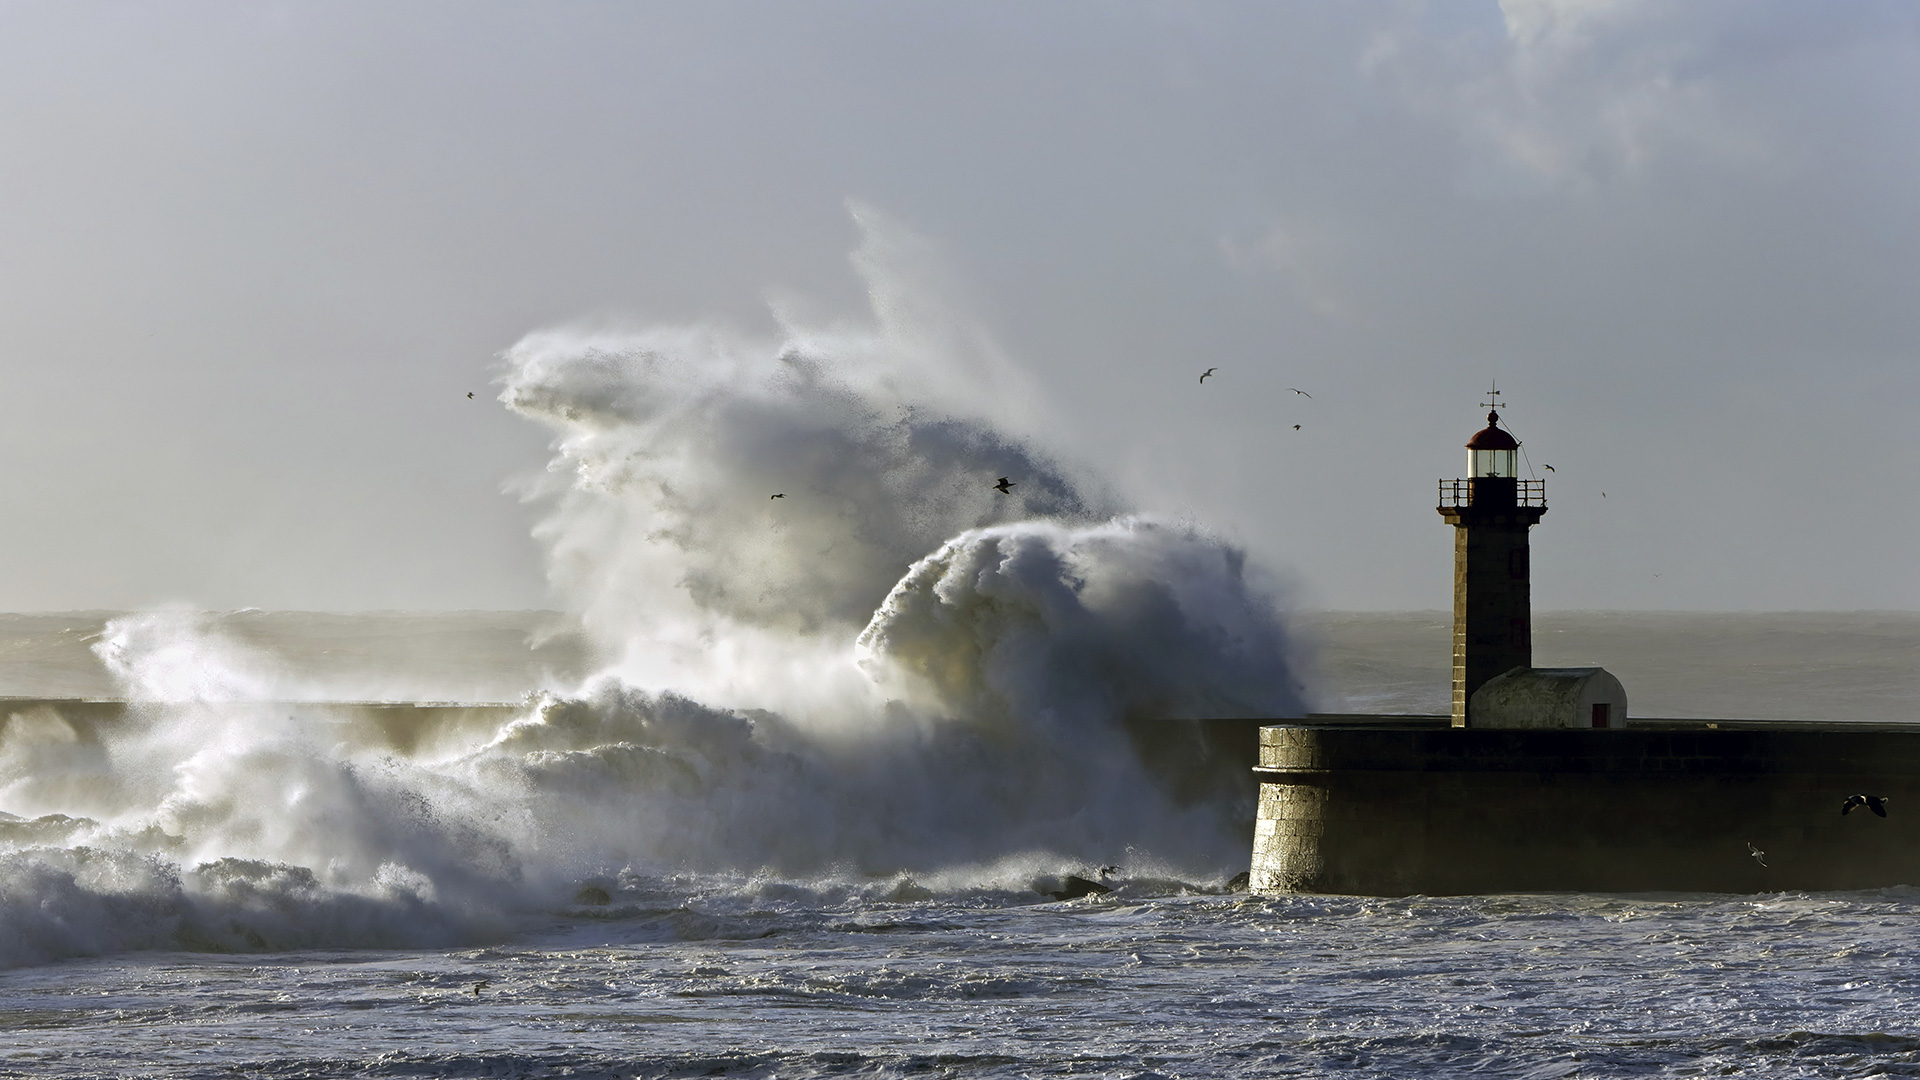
(893,670)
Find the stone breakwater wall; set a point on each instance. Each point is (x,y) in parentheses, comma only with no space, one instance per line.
(402,726)
(1395,810)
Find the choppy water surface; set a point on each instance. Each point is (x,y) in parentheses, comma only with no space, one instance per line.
(323,907)
(763,982)
(786,791)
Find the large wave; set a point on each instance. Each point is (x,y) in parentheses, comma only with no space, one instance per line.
(894,669)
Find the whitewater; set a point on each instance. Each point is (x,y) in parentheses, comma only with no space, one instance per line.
(791,786)
(129,957)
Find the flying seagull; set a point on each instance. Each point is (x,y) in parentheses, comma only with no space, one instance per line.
(1302,393)
(1209,371)
(469,395)
(1296,427)
(1549,468)
(782,495)
(1875,803)
(1004,486)
(479,986)
(1758,855)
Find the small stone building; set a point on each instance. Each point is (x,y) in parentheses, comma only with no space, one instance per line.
(1585,697)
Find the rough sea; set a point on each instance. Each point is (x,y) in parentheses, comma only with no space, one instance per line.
(146,962)
(799,784)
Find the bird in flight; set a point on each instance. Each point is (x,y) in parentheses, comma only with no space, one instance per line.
(469,395)
(1875,803)
(1302,393)
(1758,855)
(1296,427)
(1549,468)
(1209,371)
(1004,486)
(782,495)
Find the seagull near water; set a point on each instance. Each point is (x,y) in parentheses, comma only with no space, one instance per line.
(1004,486)
(1758,855)
(1302,393)
(1875,803)
(1209,371)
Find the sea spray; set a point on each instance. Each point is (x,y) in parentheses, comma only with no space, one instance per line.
(664,532)
(1127,617)
(1018,650)
(212,816)
(1005,665)
(925,669)
(894,678)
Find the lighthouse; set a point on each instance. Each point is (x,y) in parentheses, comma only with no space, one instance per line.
(1490,511)
(1538,782)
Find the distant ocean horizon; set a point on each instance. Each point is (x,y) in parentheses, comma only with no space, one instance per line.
(1858,666)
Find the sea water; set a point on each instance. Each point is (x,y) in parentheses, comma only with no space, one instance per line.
(953,970)
(798,783)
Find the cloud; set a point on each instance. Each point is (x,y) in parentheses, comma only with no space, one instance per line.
(1574,94)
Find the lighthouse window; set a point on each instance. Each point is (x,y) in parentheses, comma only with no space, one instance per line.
(1490,462)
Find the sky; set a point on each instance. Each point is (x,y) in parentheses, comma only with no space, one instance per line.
(254,255)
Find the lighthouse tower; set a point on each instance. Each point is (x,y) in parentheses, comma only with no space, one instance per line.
(1490,511)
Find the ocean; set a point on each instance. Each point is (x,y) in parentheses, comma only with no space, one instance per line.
(798,784)
(608,882)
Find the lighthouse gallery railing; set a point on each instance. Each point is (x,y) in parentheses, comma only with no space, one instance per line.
(1460,493)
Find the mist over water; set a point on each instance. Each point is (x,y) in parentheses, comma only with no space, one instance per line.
(894,677)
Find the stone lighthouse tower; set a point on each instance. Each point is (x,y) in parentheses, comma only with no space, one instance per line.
(1490,511)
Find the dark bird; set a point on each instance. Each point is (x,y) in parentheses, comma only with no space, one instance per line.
(469,395)
(479,986)
(1603,494)
(782,495)
(1549,468)
(1209,371)
(1302,393)
(1758,855)
(1875,803)
(1296,427)
(1005,485)
(1108,871)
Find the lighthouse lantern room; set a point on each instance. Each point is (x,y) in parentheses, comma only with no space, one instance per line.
(1491,452)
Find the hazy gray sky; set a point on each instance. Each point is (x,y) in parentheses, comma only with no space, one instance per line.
(253,256)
